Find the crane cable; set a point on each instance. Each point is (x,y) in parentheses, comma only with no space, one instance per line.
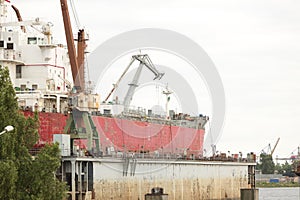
(75,14)
(90,87)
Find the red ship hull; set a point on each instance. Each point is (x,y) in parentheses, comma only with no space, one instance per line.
(128,135)
(138,136)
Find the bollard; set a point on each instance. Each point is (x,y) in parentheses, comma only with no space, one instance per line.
(249,194)
(157,193)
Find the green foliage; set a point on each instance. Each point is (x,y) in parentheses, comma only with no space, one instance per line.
(39,180)
(266,164)
(285,169)
(21,176)
(8,178)
(280,184)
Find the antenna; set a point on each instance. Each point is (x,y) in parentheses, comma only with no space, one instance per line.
(167,92)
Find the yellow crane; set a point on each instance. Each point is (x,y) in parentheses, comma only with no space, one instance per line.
(272,151)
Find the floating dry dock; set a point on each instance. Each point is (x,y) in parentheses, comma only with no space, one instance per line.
(132,178)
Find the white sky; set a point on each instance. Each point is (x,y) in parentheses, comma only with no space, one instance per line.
(255,46)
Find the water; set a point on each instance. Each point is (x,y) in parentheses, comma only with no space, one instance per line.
(289,193)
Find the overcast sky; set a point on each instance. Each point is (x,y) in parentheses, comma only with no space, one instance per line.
(255,46)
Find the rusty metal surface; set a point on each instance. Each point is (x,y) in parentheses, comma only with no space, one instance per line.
(176,189)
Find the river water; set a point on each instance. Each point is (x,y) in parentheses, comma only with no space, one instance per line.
(290,193)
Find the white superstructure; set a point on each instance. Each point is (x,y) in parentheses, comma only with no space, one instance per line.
(39,69)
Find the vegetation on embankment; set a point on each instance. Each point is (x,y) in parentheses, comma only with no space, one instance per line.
(280,184)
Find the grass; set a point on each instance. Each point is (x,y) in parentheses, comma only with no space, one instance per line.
(280,184)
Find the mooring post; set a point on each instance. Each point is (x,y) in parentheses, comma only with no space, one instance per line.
(157,193)
(250,193)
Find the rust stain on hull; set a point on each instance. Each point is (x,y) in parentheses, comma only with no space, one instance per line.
(192,189)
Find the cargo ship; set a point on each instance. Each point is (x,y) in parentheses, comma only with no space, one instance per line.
(42,76)
(108,154)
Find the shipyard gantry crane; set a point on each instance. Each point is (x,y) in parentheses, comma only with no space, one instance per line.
(80,124)
(292,157)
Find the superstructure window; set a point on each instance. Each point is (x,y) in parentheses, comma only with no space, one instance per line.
(18,71)
(34,87)
(31,40)
(1,43)
(106,111)
(23,87)
(40,40)
(10,46)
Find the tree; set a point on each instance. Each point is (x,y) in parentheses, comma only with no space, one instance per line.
(278,168)
(8,116)
(266,164)
(285,169)
(39,179)
(21,176)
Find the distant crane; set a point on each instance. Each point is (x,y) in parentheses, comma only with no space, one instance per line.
(292,157)
(275,146)
(295,160)
(270,150)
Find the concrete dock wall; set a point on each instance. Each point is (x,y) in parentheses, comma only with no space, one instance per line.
(179,179)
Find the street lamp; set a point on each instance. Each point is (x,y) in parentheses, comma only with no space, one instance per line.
(7,129)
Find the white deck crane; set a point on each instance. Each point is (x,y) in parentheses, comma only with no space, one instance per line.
(144,60)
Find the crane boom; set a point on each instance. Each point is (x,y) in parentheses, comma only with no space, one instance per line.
(119,80)
(77,77)
(144,60)
(132,86)
(275,146)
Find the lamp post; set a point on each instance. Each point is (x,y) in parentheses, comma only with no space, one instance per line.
(7,129)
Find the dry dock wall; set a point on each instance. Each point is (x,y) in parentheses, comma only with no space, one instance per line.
(179,179)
